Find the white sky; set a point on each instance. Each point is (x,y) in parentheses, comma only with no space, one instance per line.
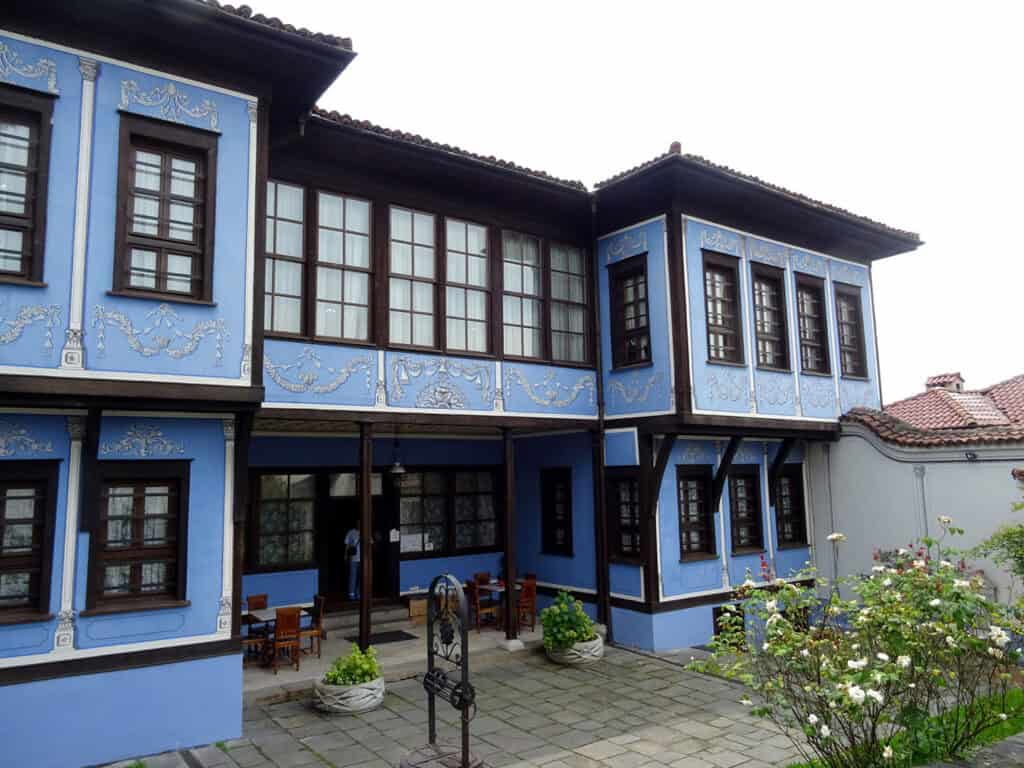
(909,113)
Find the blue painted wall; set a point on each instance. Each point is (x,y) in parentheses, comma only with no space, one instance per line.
(633,629)
(282,587)
(625,579)
(321,373)
(99,720)
(547,389)
(416,575)
(646,389)
(621,448)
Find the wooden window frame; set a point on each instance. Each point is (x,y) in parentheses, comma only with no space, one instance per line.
(750,472)
(720,262)
(618,272)
(134,473)
(615,475)
(193,143)
(550,479)
(253,564)
(43,474)
(494,287)
(37,108)
(851,293)
(302,261)
(794,474)
(311,220)
(777,277)
(817,286)
(451,549)
(703,474)
(551,301)
(543,300)
(436,283)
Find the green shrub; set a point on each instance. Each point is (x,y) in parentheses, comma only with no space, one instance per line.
(565,623)
(354,669)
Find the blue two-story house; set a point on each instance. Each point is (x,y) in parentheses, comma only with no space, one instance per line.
(235,327)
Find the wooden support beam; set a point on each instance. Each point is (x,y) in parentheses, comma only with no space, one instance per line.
(718,484)
(243,434)
(778,463)
(668,441)
(365,532)
(601,528)
(511,603)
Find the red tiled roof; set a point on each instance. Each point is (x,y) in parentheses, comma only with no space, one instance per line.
(675,154)
(411,138)
(942,379)
(939,417)
(1018,474)
(245,12)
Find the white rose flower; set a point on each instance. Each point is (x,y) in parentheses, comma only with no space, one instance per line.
(856,694)
(749,583)
(998,636)
(837,538)
(812,719)
(887,753)
(774,618)
(857,664)
(935,603)
(912,685)
(825,731)
(950,641)
(746,702)
(945,519)
(961,584)
(882,656)
(804,652)
(876,696)
(995,653)
(887,582)
(945,564)
(1002,715)
(903,661)
(772,606)
(765,647)
(919,563)
(901,551)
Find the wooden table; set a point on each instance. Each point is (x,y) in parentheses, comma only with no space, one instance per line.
(499,589)
(268,615)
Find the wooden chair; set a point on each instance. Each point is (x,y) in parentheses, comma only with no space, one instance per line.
(486,599)
(315,631)
(286,636)
(477,608)
(253,645)
(255,603)
(528,603)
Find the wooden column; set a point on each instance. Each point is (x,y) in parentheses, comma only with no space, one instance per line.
(600,528)
(243,436)
(511,606)
(365,532)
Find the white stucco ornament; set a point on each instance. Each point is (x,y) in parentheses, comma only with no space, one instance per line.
(837,538)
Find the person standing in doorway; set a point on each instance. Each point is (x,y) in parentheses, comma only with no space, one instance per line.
(353,553)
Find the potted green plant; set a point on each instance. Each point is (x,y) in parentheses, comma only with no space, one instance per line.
(569,636)
(353,684)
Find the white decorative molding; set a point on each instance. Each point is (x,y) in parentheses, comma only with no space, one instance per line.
(724,386)
(767,253)
(171,102)
(634,390)
(15,439)
(818,394)
(11,329)
(252,108)
(228,539)
(90,68)
(499,400)
(695,453)
(246,361)
(250,297)
(809,263)
(774,391)
(143,440)
(73,353)
(549,392)
(440,393)
(64,636)
(303,375)
(162,333)
(855,394)
(627,244)
(720,240)
(847,273)
(11,63)
(748,453)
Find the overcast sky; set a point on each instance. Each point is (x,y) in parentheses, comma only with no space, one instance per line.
(909,113)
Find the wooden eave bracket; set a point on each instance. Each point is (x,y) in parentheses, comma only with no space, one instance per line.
(778,464)
(718,484)
(660,463)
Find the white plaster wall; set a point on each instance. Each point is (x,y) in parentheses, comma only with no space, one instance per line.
(871,491)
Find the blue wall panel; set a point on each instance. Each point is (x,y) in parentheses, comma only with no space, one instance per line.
(621,448)
(549,389)
(633,629)
(282,587)
(303,373)
(416,575)
(100,718)
(439,383)
(682,629)
(643,389)
(625,579)
(589,606)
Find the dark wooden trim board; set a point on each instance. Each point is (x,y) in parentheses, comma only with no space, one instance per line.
(680,603)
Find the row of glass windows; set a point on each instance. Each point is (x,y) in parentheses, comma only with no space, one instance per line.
(440,279)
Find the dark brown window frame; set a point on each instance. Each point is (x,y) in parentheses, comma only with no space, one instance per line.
(311,220)
(703,474)
(543,299)
(723,262)
(550,479)
(494,261)
(851,293)
(618,272)
(44,474)
(794,474)
(747,472)
(817,286)
(436,282)
(36,107)
(615,475)
(778,278)
(271,257)
(551,301)
(133,472)
(253,557)
(187,141)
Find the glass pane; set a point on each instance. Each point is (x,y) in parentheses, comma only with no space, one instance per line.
(154,577)
(401,291)
(329,210)
(476,239)
(301,486)
(423,261)
(301,516)
(456,267)
(145,215)
(179,273)
(357,216)
(456,333)
(287,314)
(455,235)
(273,517)
(329,246)
(400,328)
(343,484)
(147,171)
(476,336)
(289,239)
(14,588)
(434,538)
(273,550)
(300,547)
(10,250)
(401,224)
(14,143)
(17,538)
(356,287)
(513,339)
(117,578)
(401,258)
(287,278)
(328,319)
(423,297)
(513,278)
(357,323)
(423,228)
(289,202)
(328,284)
(357,250)
(456,305)
(477,274)
(423,330)
(183,177)
(182,219)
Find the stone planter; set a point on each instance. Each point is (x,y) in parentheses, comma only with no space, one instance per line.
(348,699)
(580,653)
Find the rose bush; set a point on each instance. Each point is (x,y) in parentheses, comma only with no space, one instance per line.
(915,661)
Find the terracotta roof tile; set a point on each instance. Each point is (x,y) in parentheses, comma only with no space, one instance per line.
(420,141)
(675,154)
(894,430)
(245,12)
(1009,397)
(942,379)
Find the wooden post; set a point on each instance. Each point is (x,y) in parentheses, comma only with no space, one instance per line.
(511,603)
(365,532)
(600,528)
(243,436)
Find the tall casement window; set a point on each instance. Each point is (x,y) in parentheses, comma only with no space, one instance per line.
(696,517)
(623,501)
(850,322)
(770,317)
(285,264)
(556,511)
(413,278)
(467,292)
(447,512)
(165,224)
(24,162)
(282,536)
(568,305)
(522,300)
(790,519)
(810,312)
(28,500)
(722,309)
(745,509)
(140,544)
(631,333)
(342,268)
